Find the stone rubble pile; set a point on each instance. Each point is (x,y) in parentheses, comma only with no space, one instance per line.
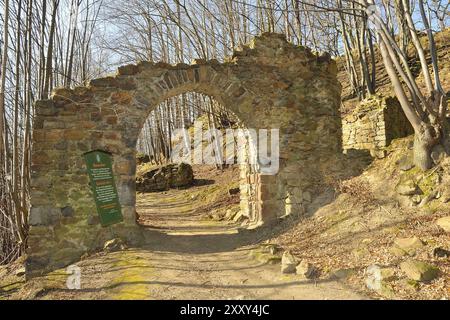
(164,178)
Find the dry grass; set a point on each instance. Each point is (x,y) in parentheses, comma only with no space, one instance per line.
(358,188)
(359,227)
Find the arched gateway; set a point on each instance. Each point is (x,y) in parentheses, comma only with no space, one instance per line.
(268,84)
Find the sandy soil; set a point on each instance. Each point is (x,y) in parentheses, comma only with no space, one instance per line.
(356,227)
(188,256)
(186,267)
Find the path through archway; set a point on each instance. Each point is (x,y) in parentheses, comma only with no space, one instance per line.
(193,171)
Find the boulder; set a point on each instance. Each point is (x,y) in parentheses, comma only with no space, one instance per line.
(288,263)
(270,248)
(410,286)
(405,163)
(438,154)
(270,259)
(233,191)
(429,197)
(115,244)
(407,188)
(376,274)
(407,245)
(142,158)
(345,273)
(181,175)
(419,271)
(397,251)
(239,217)
(379,154)
(273,249)
(386,290)
(388,274)
(377,279)
(416,199)
(445,195)
(305,269)
(231,213)
(164,178)
(265,255)
(444,223)
(441,253)
(20,272)
(360,253)
(216,215)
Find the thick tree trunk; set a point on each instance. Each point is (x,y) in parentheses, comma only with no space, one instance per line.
(422,154)
(425,140)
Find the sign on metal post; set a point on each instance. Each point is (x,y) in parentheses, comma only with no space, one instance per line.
(99,167)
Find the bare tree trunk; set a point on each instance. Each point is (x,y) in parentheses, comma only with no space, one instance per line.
(2,90)
(48,64)
(427,116)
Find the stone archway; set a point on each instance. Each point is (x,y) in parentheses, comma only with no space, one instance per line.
(268,84)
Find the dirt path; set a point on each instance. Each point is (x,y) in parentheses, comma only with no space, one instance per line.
(212,269)
(176,212)
(184,266)
(187,256)
(230,275)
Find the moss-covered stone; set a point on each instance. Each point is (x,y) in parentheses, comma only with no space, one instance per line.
(444,223)
(419,271)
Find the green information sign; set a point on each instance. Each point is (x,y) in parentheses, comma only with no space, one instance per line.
(99,166)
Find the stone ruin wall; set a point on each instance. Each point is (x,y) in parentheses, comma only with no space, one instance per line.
(267,84)
(374,124)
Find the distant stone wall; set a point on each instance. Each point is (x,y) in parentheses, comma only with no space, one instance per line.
(374,124)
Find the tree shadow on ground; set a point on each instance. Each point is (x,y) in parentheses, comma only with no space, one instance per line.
(203,182)
(157,240)
(46,291)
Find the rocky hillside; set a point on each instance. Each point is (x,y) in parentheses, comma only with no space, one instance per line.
(385,231)
(383,83)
